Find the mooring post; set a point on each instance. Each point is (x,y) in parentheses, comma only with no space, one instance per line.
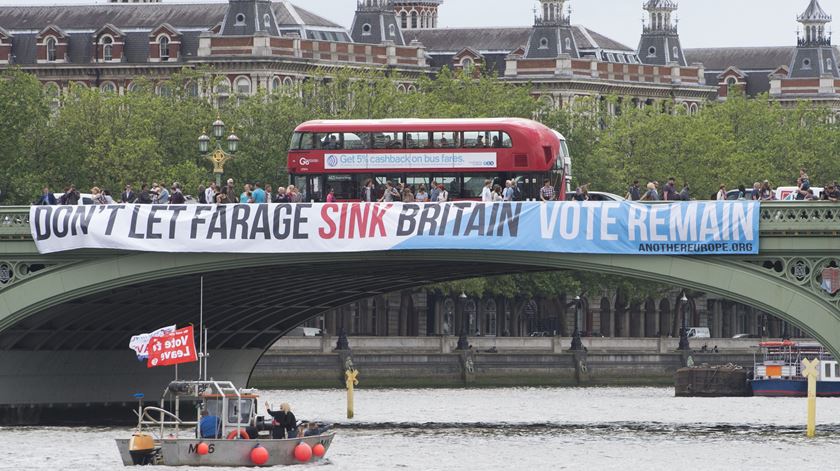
(810,372)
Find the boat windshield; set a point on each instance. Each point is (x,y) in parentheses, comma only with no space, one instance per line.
(239,410)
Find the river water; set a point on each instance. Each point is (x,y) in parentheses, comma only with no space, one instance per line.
(511,428)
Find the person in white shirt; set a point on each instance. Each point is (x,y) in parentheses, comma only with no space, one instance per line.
(507,193)
(210,193)
(721,194)
(486,194)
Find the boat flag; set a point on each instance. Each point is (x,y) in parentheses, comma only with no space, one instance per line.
(172,349)
(138,343)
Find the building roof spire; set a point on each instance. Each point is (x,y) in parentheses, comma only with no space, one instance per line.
(814,14)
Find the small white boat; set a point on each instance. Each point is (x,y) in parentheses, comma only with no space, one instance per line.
(241,438)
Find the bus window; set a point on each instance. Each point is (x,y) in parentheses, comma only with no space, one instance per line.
(416,140)
(331,141)
(445,140)
(387,140)
(306,142)
(451,183)
(414,182)
(476,139)
(474,183)
(354,141)
(345,188)
(500,140)
(295,143)
(322,140)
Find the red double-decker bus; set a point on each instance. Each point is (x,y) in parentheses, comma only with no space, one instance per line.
(458,153)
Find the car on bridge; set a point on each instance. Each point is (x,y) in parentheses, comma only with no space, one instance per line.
(596,196)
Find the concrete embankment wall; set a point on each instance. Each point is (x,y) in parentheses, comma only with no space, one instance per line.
(434,362)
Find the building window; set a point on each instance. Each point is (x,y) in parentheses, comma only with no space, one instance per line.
(490,317)
(467,63)
(108,87)
(414,20)
(267,21)
(366,29)
(543,43)
(651,51)
(470,312)
(164,90)
(447,326)
(676,53)
(806,64)
(163,44)
(829,65)
(731,81)
(51,47)
(404,20)
(568,44)
(192,89)
(107,48)
(392,30)
(276,84)
(243,86)
(240,20)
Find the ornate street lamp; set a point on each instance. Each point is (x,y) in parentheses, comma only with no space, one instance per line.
(577,344)
(463,343)
(684,346)
(218,156)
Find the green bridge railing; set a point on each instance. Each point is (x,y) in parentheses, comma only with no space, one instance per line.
(777,219)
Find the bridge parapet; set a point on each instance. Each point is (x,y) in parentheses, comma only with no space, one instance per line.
(14,223)
(778,219)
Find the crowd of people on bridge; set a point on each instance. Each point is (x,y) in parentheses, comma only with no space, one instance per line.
(435,193)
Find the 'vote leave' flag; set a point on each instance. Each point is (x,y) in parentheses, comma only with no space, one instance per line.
(171,349)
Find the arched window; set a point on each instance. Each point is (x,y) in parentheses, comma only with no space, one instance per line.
(288,82)
(164,89)
(404,20)
(467,63)
(568,44)
(806,64)
(676,52)
(543,43)
(107,48)
(108,87)
(243,86)
(414,20)
(366,29)
(401,88)
(51,48)
(276,84)
(447,327)
(192,89)
(829,65)
(490,317)
(132,87)
(731,81)
(651,51)
(472,321)
(240,19)
(392,30)
(163,45)
(267,21)
(52,90)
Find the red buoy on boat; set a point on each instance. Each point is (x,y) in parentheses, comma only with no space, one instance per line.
(319,450)
(259,455)
(202,449)
(303,452)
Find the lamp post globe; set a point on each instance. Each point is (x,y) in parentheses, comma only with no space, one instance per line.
(219,128)
(233,143)
(203,143)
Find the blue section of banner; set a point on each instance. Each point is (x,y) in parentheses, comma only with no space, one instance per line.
(684,228)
